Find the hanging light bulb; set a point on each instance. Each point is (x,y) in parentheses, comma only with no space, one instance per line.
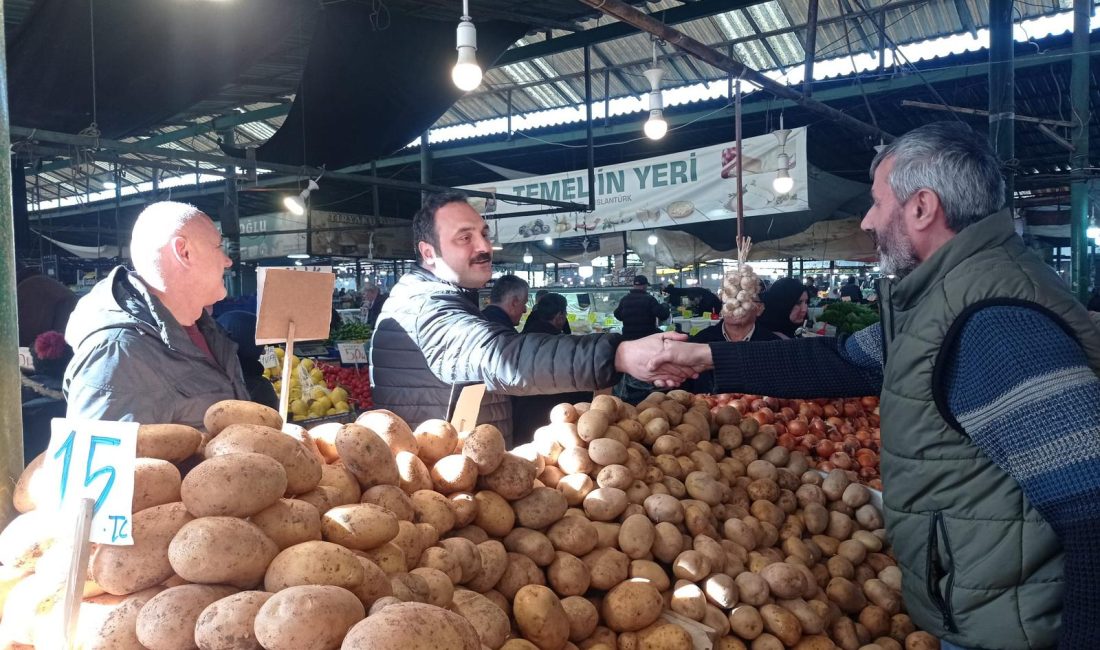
(585,270)
(495,240)
(782,183)
(652,239)
(1093,231)
(297,204)
(467,73)
(548,240)
(656,126)
(527,258)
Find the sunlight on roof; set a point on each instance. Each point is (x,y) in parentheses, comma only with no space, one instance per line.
(1036,28)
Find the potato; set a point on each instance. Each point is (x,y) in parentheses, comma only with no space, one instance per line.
(520,571)
(324,438)
(127,569)
(412,626)
(661,636)
(492,624)
(467,554)
(541,508)
(110,622)
(592,424)
(228,622)
(568,575)
(631,606)
(869,517)
(367,456)
(493,558)
(221,550)
(636,536)
(230,411)
(167,621)
(171,442)
(391,429)
(300,434)
(340,477)
(607,567)
(878,593)
(703,487)
(574,535)
(323,498)
(313,563)
(667,542)
(410,588)
(606,451)
(288,522)
(360,526)
(435,439)
(389,557)
(784,581)
(688,600)
(454,473)
(512,479)
(433,508)
(605,504)
(494,515)
(27,538)
(531,543)
(541,617)
(664,507)
(485,446)
(582,615)
(391,498)
(307,617)
(233,485)
(575,487)
(691,565)
(412,472)
(651,572)
(781,623)
(375,584)
(921,641)
(303,470)
(721,590)
(846,595)
(752,589)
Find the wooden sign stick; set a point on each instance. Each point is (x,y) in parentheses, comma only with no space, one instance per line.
(284,394)
(78,571)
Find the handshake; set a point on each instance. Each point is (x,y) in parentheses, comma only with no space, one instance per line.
(665,359)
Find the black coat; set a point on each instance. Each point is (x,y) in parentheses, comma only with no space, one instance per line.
(713,334)
(639,313)
(851,291)
(376,308)
(495,314)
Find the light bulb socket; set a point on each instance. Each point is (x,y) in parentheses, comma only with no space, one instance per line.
(654,75)
(781,135)
(656,101)
(466,35)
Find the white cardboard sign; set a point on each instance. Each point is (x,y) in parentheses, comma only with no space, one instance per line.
(95,460)
(26,361)
(353,351)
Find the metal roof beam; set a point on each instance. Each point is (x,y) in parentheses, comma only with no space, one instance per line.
(683,13)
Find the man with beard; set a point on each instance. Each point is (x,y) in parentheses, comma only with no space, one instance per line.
(430,339)
(987,367)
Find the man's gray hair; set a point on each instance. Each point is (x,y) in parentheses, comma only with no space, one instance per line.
(507,286)
(153,232)
(953,161)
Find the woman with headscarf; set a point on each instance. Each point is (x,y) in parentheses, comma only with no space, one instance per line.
(786,304)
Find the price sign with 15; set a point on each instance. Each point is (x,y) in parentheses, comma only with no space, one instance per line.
(90,459)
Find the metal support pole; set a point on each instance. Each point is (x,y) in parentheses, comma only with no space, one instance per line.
(811,48)
(1079,187)
(425,163)
(1002,87)
(737,167)
(231,221)
(374,198)
(588,128)
(11,416)
(681,41)
(790,267)
(358,274)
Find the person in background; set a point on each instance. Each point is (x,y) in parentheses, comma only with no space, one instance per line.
(639,311)
(145,350)
(431,339)
(786,304)
(373,299)
(241,328)
(851,290)
(701,301)
(565,329)
(989,373)
(43,304)
(811,289)
(507,301)
(548,315)
(533,411)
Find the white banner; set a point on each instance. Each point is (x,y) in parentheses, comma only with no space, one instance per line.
(685,187)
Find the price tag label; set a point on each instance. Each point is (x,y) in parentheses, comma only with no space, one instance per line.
(609,321)
(90,459)
(26,361)
(593,317)
(353,351)
(268,358)
(571,317)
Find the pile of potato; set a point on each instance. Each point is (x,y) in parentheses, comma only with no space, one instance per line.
(618,527)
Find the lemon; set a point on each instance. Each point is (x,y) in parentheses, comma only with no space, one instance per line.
(277,385)
(298,407)
(342,407)
(316,376)
(317,392)
(324,403)
(279,353)
(331,412)
(307,363)
(295,392)
(294,361)
(338,395)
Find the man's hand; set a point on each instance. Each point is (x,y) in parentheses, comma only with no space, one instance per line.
(636,358)
(681,354)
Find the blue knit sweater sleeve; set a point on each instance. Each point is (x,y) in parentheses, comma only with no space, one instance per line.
(1022,390)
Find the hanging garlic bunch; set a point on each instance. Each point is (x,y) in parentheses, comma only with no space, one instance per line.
(740,288)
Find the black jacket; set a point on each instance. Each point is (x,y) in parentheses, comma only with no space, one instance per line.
(495,314)
(375,309)
(713,334)
(851,291)
(639,313)
(431,341)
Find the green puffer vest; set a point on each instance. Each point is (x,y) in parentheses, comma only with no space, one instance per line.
(981,568)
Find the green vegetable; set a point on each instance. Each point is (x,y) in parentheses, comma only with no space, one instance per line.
(849,317)
(351,331)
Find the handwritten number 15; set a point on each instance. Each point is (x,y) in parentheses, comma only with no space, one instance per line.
(65,451)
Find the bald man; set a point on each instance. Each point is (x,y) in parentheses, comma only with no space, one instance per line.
(145,350)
